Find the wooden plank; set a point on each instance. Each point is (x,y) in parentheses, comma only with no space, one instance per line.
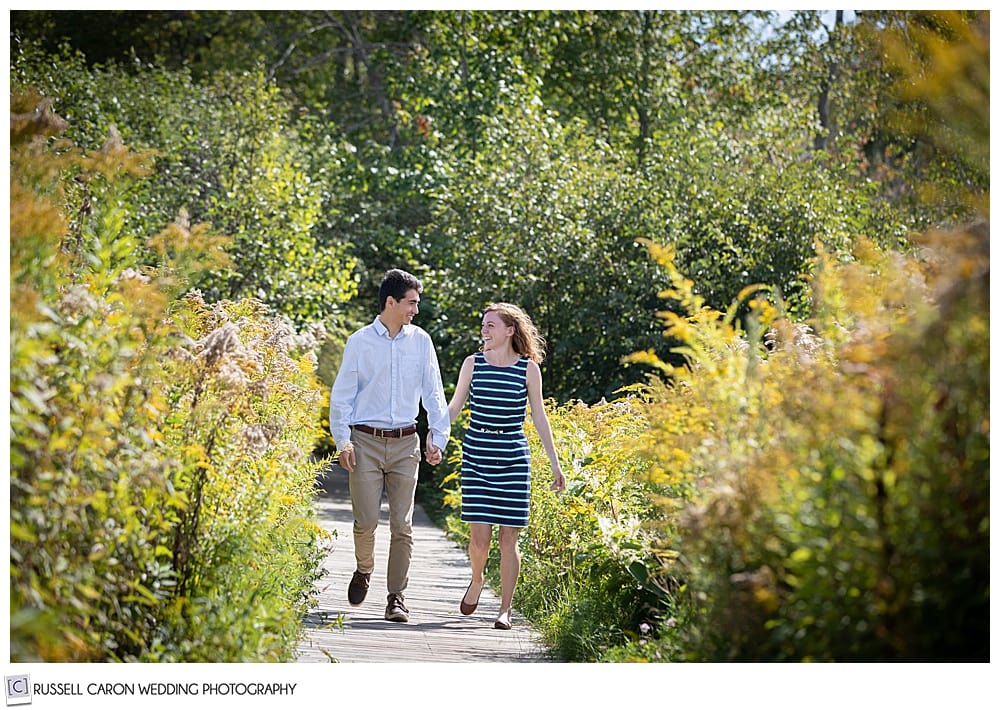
(439,575)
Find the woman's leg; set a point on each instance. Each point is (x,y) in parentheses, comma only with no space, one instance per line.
(510,568)
(480,535)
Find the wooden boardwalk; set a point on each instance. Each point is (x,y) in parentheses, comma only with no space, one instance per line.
(439,575)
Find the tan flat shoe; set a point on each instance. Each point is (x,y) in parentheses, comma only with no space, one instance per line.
(502,622)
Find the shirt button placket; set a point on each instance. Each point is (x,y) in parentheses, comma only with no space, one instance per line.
(393,379)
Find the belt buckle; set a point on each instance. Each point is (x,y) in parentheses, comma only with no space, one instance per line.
(382,433)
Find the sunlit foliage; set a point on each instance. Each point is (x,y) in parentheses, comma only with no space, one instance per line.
(841,505)
(806,476)
(161,480)
(226,154)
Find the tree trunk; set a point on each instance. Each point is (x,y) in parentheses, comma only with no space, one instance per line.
(821,140)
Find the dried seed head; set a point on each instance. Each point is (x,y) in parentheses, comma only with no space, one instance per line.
(256,440)
(219,343)
(232,376)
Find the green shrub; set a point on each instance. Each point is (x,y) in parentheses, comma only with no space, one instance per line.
(244,400)
(161,479)
(226,153)
(841,470)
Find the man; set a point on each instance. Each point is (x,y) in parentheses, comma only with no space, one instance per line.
(388,368)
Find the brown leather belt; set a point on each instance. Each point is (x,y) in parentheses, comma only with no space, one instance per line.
(387,433)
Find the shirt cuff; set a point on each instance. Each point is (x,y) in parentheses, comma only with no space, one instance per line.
(440,440)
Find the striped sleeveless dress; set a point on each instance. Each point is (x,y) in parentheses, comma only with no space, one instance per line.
(496,461)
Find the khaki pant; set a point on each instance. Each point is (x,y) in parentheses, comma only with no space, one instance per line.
(392,464)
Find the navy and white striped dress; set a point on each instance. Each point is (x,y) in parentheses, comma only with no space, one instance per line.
(496,461)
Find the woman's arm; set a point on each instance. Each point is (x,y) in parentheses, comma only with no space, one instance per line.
(541,421)
(462,388)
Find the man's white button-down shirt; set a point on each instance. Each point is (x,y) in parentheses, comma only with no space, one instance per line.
(382,381)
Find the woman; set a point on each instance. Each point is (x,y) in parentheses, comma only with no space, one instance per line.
(499,381)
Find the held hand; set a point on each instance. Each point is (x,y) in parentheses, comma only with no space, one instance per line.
(347,459)
(433,455)
(558,481)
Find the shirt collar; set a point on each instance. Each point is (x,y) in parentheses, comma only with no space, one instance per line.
(380,328)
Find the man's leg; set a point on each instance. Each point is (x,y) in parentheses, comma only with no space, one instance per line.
(366,483)
(402,465)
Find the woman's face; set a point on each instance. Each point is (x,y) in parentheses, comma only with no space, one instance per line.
(495,332)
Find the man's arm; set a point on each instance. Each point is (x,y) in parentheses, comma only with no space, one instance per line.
(343,394)
(432,394)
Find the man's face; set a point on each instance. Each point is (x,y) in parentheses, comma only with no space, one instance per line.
(401,312)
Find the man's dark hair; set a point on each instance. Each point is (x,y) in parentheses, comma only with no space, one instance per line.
(396,283)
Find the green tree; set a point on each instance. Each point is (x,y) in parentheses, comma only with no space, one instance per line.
(171,37)
(852,70)
(752,207)
(547,217)
(634,75)
(842,464)
(463,66)
(226,155)
(338,65)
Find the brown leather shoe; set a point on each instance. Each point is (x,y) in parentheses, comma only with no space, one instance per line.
(395,610)
(503,622)
(358,588)
(467,608)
